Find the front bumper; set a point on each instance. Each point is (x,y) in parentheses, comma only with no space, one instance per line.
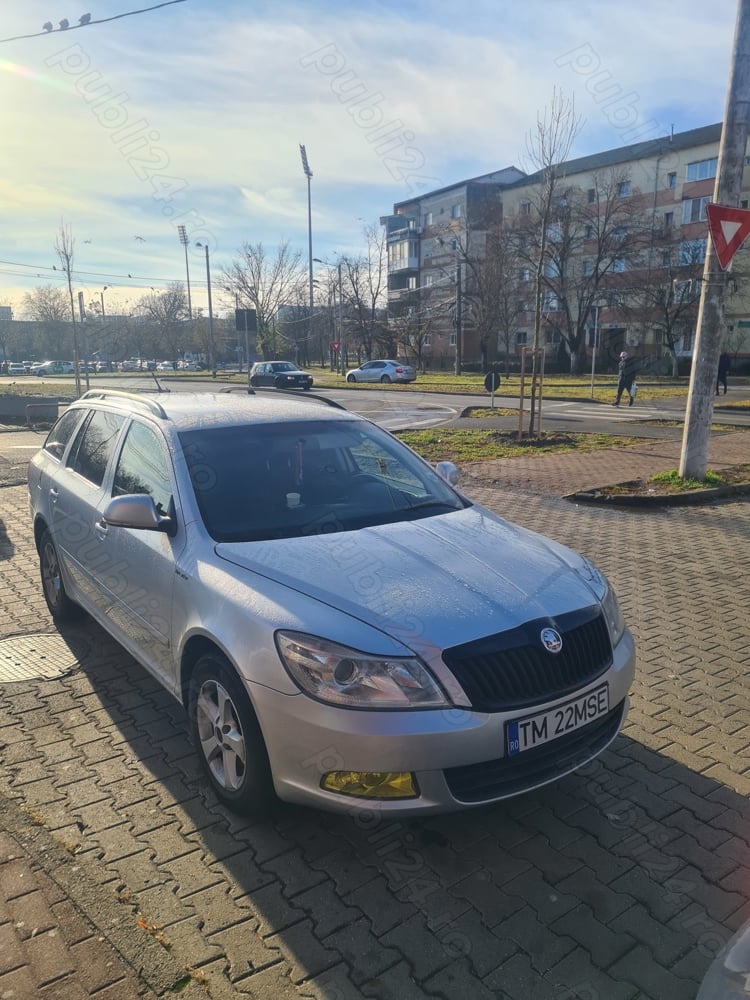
(457,755)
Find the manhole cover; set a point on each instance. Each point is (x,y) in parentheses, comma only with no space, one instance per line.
(27,657)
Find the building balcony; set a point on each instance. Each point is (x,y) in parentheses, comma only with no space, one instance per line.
(403,264)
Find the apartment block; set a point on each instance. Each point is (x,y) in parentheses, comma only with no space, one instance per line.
(624,249)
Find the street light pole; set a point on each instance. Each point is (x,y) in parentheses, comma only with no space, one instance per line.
(211,346)
(308,174)
(101,295)
(595,345)
(184,240)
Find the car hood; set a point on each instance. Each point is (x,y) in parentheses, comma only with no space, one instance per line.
(440,580)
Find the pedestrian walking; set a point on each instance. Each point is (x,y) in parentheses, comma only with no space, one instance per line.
(626,371)
(724,366)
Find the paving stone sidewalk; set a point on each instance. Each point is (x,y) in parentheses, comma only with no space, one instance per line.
(620,882)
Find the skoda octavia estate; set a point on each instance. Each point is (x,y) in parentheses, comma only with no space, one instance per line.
(343,626)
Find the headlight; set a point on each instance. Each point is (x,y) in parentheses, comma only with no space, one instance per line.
(613,615)
(342,676)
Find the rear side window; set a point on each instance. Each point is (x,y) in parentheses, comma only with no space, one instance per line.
(62,432)
(93,449)
(142,467)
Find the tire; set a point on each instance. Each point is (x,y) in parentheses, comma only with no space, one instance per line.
(218,707)
(61,607)
(385,379)
(350,378)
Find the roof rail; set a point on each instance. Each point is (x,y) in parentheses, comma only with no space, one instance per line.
(144,401)
(293,393)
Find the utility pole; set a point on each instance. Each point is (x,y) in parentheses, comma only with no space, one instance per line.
(710,327)
(459,321)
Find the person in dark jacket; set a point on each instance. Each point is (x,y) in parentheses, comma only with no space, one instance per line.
(724,366)
(626,371)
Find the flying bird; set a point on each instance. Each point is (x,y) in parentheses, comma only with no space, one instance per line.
(87,241)
(47,26)
(84,18)
(139,238)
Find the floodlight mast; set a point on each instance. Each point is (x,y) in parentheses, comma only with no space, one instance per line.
(182,231)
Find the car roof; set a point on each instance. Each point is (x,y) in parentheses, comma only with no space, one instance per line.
(189,410)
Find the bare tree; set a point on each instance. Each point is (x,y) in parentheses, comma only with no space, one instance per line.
(48,307)
(548,146)
(264,282)
(46,304)
(592,239)
(65,249)
(364,288)
(167,310)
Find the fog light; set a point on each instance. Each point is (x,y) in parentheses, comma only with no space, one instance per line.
(372,784)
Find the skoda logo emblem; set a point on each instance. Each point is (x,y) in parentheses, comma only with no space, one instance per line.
(551,640)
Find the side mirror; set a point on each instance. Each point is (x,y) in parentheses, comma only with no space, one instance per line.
(137,510)
(448,471)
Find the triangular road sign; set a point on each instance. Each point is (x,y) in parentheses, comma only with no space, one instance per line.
(729,228)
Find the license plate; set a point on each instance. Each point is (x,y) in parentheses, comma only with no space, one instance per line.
(534,730)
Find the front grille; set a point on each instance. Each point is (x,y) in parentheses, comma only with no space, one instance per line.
(512,669)
(497,779)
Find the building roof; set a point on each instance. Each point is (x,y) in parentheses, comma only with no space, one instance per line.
(702,136)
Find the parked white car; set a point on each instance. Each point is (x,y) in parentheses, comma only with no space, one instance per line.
(382,371)
(53,368)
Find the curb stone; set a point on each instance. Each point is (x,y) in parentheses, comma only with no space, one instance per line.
(688,498)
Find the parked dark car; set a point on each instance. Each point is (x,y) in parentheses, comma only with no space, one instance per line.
(280,375)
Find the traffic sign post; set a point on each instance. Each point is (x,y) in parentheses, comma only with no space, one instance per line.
(491,384)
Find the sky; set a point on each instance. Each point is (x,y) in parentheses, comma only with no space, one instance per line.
(194,113)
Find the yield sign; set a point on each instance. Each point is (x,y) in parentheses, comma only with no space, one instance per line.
(729,228)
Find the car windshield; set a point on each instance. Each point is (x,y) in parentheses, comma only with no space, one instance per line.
(264,481)
(284,366)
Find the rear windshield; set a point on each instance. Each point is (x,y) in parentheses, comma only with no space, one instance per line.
(263,481)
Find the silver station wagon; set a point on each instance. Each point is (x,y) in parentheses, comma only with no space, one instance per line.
(344,628)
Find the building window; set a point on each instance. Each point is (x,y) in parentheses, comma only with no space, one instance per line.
(701,170)
(588,267)
(668,220)
(427,218)
(427,340)
(552,337)
(743,203)
(452,340)
(623,189)
(525,208)
(524,274)
(620,232)
(658,336)
(456,212)
(589,232)
(618,265)
(692,252)
(427,281)
(672,179)
(591,194)
(666,258)
(549,302)
(521,336)
(694,209)
(412,281)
